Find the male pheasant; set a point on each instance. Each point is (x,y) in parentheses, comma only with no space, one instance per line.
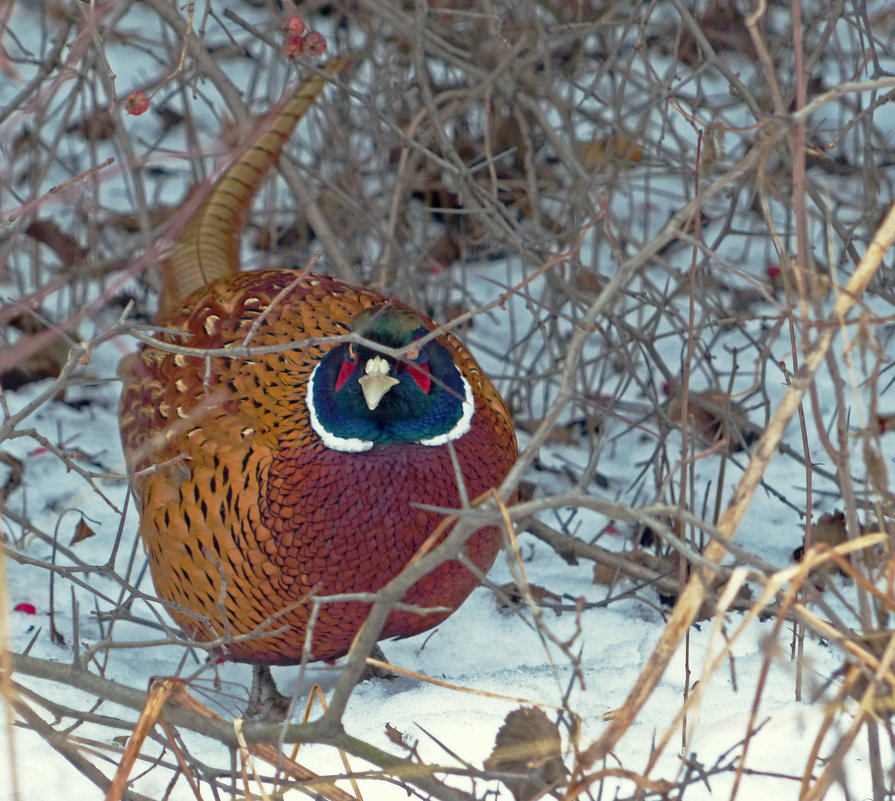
(297,471)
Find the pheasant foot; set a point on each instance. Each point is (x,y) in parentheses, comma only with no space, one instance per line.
(266,702)
(375,672)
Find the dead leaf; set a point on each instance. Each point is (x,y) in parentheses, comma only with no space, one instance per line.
(588,281)
(82,532)
(158,216)
(517,597)
(722,25)
(64,245)
(395,736)
(97,126)
(687,228)
(713,416)
(282,238)
(614,147)
(44,363)
(607,575)
(445,250)
(816,279)
(526,491)
(569,433)
(712,148)
(669,565)
(529,744)
(16,473)
(830,529)
(859,672)
(454,310)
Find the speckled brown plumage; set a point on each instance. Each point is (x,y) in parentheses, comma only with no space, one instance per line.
(246,513)
(247,496)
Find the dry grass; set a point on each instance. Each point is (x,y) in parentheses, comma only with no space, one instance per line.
(671,191)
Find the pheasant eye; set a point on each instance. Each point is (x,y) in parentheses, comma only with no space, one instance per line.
(413,353)
(352,352)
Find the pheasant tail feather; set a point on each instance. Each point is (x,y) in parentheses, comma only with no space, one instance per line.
(208,248)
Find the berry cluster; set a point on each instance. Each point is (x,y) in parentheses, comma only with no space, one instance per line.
(300,41)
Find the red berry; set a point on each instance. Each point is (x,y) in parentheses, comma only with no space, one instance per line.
(315,44)
(25,608)
(293,45)
(136,103)
(296,25)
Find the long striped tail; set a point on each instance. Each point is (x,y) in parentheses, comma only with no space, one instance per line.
(208,248)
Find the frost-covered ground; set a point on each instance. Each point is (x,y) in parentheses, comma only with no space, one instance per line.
(496,655)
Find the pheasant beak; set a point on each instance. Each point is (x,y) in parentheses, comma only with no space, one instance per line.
(376,382)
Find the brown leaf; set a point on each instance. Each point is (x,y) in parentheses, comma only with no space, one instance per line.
(283,237)
(614,147)
(445,250)
(687,228)
(712,416)
(526,491)
(669,564)
(517,597)
(158,215)
(454,310)
(82,532)
(564,433)
(607,575)
(588,281)
(529,744)
(830,529)
(64,245)
(44,363)
(886,422)
(97,126)
(722,25)
(395,736)
(882,701)
(816,280)
(16,473)
(712,148)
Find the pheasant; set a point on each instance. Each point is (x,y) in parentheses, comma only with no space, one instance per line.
(298,470)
